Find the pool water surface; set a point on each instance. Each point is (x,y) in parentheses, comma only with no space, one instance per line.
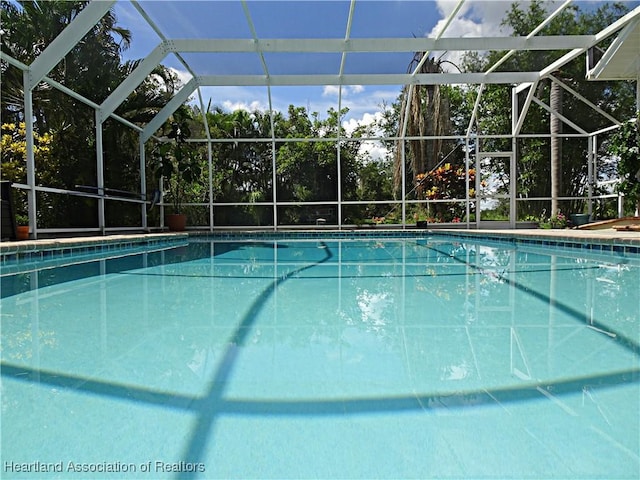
(371,358)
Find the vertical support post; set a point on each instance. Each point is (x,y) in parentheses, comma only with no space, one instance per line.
(339,160)
(161,188)
(339,174)
(638,93)
(513,205)
(620,205)
(591,172)
(274,177)
(210,163)
(274,180)
(512,159)
(403,156)
(31,163)
(100,172)
(143,185)
(403,183)
(478,183)
(466,167)
(637,212)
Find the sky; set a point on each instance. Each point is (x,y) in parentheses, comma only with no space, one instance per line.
(306,19)
(291,19)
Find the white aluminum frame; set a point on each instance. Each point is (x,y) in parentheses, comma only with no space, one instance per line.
(93,12)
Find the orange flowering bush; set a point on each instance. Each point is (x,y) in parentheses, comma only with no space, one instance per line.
(446,181)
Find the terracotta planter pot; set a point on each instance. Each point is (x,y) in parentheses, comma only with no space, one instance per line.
(22,232)
(177,222)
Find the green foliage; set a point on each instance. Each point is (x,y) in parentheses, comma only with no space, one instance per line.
(242,171)
(93,68)
(178,161)
(533,155)
(308,171)
(375,180)
(625,144)
(13,151)
(305,170)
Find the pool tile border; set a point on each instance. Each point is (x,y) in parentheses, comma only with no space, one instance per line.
(55,249)
(45,250)
(593,242)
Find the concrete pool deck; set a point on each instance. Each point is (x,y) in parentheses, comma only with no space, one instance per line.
(604,235)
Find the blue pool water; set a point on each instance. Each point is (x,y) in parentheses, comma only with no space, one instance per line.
(374,358)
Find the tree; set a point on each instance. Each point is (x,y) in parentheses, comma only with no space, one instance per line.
(625,144)
(534,156)
(121,149)
(91,69)
(177,161)
(555,129)
(242,170)
(424,111)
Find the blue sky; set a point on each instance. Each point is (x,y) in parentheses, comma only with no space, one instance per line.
(304,19)
(301,19)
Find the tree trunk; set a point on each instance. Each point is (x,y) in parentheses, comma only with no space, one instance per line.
(555,128)
(427,115)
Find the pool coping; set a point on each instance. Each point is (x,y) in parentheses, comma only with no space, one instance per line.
(608,240)
(36,250)
(595,241)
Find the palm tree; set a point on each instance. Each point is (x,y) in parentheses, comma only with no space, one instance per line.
(427,115)
(90,68)
(555,128)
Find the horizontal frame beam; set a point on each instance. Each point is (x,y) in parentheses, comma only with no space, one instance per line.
(334,45)
(368,79)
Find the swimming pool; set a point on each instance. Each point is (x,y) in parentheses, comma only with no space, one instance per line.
(416,357)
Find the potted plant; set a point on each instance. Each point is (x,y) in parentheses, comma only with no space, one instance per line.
(179,164)
(22,227)
(420,217)
(557,221)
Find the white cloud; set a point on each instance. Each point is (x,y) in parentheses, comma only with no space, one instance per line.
(330,91)
(366,119)
(183,75)
(347,90)
(232,106)
(235,98)
(370,101)
(477,18)
(373,150)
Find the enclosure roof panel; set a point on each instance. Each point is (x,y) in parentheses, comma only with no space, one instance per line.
(621,61)
(348,44)
(346,37)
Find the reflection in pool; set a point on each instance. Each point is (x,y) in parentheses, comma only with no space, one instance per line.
(376,358)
